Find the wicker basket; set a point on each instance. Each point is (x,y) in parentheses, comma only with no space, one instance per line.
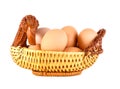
(51,63)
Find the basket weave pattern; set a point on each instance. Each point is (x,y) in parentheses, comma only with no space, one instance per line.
(49,61)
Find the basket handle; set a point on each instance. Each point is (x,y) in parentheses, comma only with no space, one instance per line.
(28,22)
(96,45)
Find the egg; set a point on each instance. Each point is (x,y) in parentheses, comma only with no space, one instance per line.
(34,47)
(40,33)
(54,40)
(72,49)
(71,35)
(85,37)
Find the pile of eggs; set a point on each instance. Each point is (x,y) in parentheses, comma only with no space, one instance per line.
(65,39)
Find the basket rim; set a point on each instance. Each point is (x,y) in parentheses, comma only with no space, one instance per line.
(44,51)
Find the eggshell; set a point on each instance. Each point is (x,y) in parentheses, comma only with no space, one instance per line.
(35,47)
(85,37)
(40,33)
(54,40)
(72,49)
(71,35)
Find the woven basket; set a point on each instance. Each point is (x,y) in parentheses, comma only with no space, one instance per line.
(52,63)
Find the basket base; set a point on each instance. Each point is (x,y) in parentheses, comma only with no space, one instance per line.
(38,73)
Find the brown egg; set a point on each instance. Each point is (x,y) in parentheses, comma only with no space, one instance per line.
(35,47)
(86,37)
(40,33)
(72,49)
(54,40)
(71,35)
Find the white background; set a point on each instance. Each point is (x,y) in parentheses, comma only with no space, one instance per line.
(104,74)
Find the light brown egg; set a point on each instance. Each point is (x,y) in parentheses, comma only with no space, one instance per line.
(71,35)
(40,33)
(34,47)
(54,40)
(72,49)
(85,37)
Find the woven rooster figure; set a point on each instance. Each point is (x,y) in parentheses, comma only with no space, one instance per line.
(51,63)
